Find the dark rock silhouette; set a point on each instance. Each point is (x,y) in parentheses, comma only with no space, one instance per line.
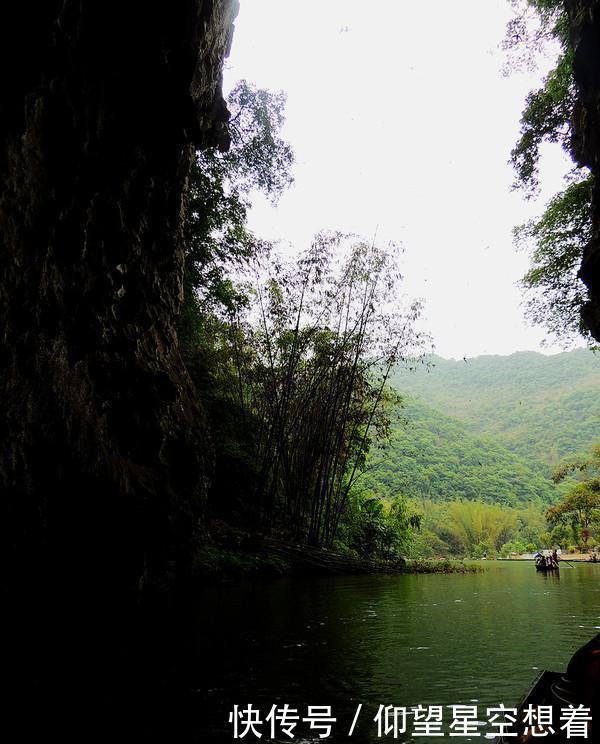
(104,457)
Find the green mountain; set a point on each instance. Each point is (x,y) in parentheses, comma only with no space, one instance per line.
(543,408)
(433,456)
(489,429)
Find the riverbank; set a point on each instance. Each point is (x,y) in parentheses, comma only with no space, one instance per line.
(232,555)
(442,565)
(574,557)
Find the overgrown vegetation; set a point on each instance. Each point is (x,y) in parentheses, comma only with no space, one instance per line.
(291,357)
(475,451)
(433,456)
(441,566)
(374,526)
(580,509)
(554,294)
(218,242)
(541,408)
(293,360)
(476,530)
(311,360)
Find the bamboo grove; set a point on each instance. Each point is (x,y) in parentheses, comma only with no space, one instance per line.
(312,359)
(290,356)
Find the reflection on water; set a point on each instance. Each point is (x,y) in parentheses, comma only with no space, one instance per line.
(393,640)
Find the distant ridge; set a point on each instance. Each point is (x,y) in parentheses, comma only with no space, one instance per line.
(544,407)
(489,429)
(433,456)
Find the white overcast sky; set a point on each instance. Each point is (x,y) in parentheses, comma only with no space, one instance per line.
(402,122)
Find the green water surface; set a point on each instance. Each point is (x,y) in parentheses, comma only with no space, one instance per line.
(391,640)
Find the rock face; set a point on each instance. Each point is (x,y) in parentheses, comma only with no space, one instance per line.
(584,18)
(103,453)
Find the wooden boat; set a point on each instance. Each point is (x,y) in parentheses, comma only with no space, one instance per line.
(544,691)
(543,569)
(577,686)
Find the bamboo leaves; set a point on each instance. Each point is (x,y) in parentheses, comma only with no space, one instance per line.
(325,334)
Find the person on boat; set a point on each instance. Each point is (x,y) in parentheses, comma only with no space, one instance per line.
(555,558)
(540,560)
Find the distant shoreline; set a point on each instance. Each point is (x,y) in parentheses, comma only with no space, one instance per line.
(571,558)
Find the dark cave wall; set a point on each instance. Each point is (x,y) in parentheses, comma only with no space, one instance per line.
(584,18)
(104,456)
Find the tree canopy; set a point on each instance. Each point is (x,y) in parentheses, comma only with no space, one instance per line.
(217,241)
(580,509)
(555,241)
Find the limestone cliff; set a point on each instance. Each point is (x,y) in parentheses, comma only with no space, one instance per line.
(103,452)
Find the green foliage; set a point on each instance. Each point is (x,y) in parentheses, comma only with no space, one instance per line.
(530,534)
(259,158)
(290,360)
(554,292)
(513,546)
(477,530)
(580,508)
(542,408)
(216,237)
(441,566)
(506,424)
(588,466)
(313,358)
(546,118)
(560,536)
(219,247)
(434,457)
(427,544)
(377,529)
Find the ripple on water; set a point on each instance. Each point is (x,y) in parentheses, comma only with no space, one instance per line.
(485,652)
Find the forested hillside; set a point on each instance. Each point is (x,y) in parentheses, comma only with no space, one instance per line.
(433,456)
(474,446)
(542,408)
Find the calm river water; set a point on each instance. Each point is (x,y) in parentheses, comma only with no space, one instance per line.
(391,640)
